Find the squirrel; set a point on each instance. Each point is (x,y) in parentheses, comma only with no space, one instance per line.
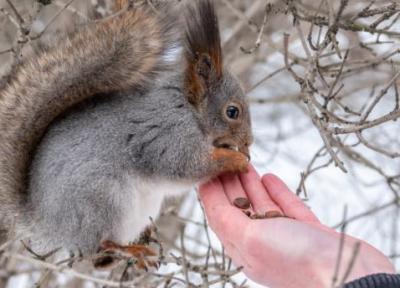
(97,130)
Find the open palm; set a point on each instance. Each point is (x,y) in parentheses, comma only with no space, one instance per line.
(292,251)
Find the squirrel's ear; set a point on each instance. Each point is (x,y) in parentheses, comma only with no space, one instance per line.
(120,4)
(203,50)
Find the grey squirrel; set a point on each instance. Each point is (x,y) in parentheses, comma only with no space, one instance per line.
(97,130)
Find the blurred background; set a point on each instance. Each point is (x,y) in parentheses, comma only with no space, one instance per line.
(322,80)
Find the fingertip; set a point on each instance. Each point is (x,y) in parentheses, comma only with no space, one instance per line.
(250,170)
(276,188)
(272,181)
(250,176)
(266,179)
(271,177)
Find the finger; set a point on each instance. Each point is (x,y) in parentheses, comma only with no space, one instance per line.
(212,193)
(257,193)
(227,221)
(233,188)
(291,205)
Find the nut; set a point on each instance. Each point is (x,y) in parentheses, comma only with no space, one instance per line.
(273,214)
(257,216)
(242,203)
(266,215)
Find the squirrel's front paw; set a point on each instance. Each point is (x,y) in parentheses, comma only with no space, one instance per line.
(228,160)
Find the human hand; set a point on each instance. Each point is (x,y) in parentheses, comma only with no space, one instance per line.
(292,251)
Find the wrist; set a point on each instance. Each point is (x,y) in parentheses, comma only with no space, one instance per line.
(355,263)
(369,261)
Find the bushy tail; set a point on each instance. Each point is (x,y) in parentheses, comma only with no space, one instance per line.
(114,54)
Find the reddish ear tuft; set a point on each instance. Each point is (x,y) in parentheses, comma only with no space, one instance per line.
(203,50)
(119,4)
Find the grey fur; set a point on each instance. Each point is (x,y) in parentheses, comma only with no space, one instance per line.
(119,131)
(119,53)
(102,141)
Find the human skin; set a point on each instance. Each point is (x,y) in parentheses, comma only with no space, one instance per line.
(292,251)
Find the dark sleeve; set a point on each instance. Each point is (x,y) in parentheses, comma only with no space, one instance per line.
(376,281)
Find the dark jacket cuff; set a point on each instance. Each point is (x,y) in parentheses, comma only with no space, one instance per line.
(376,281)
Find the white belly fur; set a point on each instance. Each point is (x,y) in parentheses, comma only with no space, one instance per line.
(145,197)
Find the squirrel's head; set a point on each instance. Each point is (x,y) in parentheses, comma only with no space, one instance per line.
(211,89)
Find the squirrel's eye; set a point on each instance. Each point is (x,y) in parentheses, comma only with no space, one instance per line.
(232,112)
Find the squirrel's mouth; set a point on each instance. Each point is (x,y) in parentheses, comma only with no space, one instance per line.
(231,145)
